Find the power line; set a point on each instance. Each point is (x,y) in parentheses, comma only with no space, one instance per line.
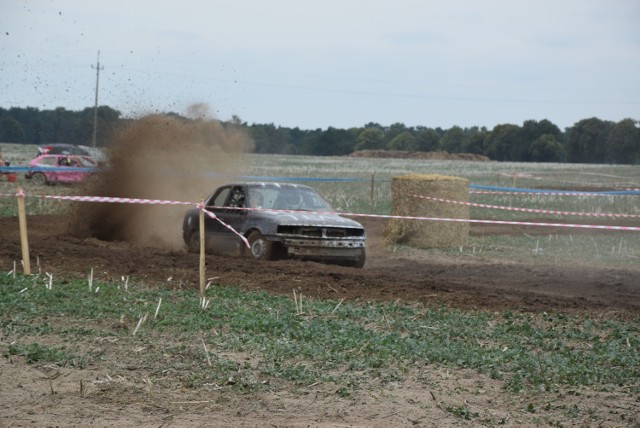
(95,107)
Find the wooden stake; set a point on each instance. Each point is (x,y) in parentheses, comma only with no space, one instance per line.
(24,240)
(155,316)
(202,249)
(337,306)
(91,281)
(206,352)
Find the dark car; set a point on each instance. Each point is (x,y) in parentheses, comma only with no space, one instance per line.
(62,149)
(280,221)
(98,155)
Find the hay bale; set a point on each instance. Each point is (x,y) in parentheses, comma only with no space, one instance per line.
(426,233)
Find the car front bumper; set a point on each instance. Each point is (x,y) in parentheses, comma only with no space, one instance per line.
(335,248)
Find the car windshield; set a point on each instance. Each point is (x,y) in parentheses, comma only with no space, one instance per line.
(84,161)
(287,198)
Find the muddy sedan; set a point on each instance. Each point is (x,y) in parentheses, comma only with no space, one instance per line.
(280,221)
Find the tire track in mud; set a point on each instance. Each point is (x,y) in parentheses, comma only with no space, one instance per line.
(386,277)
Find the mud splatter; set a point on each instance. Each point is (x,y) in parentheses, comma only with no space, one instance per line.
(160,157)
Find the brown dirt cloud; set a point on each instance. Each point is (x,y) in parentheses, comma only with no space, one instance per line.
(159,157)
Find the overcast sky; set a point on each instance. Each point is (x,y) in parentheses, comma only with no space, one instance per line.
(340,63)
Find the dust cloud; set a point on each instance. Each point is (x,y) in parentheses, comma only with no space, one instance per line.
(160,157)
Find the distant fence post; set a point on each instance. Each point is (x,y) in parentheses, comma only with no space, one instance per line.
(24,239)
(372,200)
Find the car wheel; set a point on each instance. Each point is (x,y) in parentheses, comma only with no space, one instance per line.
(259,247)
(194,242)
(39,179)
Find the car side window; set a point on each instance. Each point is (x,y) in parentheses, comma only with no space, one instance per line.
(220,198)
(236,198)
(49,161)
(85,162)
(256,200)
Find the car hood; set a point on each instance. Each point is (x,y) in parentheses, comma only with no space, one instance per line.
(302,218)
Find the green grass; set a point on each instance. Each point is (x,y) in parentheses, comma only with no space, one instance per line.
(621,249)
(462,412)
(346,345)
(35,353)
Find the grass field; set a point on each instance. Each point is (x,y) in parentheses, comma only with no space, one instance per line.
(355,348)
(528,352)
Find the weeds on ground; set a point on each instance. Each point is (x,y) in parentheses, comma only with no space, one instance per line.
(608,250)
(245,340)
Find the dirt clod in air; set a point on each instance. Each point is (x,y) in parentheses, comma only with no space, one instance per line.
(161,158)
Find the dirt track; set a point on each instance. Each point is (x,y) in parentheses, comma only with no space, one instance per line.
(462,283)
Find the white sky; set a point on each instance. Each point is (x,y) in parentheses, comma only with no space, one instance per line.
(340,63)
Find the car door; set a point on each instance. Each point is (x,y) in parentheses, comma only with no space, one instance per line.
(233,213)
(63,173)
(223,204)
(77,162)
(47,166)
(215,204)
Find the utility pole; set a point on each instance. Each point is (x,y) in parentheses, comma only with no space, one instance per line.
(95,107)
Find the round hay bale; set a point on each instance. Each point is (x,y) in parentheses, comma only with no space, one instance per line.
(427,233)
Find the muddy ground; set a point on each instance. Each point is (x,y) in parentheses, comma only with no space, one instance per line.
(388,275)
(127,399)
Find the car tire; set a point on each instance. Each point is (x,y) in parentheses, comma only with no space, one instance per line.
(259,247)
(194,242)
(39,179)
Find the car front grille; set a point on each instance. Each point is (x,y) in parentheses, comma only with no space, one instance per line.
(321,232)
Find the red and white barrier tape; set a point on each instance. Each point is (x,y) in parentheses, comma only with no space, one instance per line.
(114,200)
(516,223)
(200,206)
(457,220)
(527,210)
(213,216)
(499,192)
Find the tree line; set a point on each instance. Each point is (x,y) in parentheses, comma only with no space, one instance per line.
(589,140)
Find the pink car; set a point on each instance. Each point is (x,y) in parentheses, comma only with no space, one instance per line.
(58,164)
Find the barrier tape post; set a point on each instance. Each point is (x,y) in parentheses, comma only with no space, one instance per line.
(202,247)
(372,200)
(24,239)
